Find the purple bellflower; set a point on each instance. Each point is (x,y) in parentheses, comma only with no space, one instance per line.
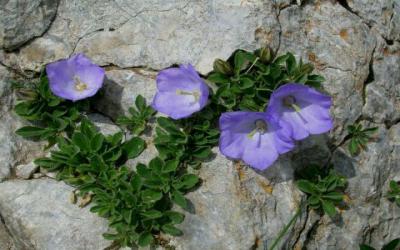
(254,137)
(180,92)
(303,108)
(75,78)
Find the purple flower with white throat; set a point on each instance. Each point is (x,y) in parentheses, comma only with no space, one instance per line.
(254,137)
(180,92)
(303,108)
(75,78)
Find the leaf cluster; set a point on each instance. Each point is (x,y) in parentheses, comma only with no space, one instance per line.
(189,140)
(247,79)
(394,192)
(138,204)
(49,114)
(139,116)
(324,192)
(392,245)
(80,159)
(359,137)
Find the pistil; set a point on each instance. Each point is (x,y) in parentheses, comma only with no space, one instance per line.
(290,101)
(195,94)
(260,127)
(79,85)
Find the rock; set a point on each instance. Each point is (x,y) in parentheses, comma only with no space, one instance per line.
(39,175)
(39,216)
(368,176)
(22,20)
(234,203)
(6,241)
(25,171)
(156,34)
(7,148)
(339,45)
(383,15)
(383,92)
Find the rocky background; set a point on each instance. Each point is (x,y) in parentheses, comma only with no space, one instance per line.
(354,44)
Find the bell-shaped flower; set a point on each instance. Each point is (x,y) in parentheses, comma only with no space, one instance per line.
(303,108)
(74,78)
(180,92)
(254,137)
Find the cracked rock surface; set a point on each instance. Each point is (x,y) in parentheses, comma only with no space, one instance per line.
(354,44)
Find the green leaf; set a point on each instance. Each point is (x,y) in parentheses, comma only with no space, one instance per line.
(150,196)
(170,166)
(30,131)
(306,186)
(188,181)
(97,142)
(140,103)
(109,236)
(175,217)
(353,147)
(179,199)
(241,61)
(133,147)
(172,230)
(145,239)
(202,153)
(313,200)
(152,214)
(81,141)
(290,63)
(127,214)
(156,164)
(45,162)
(136,182)
(335,196)
(393,245)
(394,186)
(328,208)
(218,78)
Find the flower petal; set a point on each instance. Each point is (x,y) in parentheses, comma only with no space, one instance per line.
(175,106)
(318,119)
(297,124)
(260,151)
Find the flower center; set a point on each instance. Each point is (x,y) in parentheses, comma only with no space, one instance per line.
(195,94)
(260,127)
(290,101)
(79,85)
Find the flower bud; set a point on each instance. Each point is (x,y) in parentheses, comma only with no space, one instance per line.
(222,67)
(266,55)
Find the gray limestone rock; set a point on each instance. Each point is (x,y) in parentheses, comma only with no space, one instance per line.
(25,171)
(153,33)
(383,15)
(6,241)
(383,92)
(22,20)
(39,216)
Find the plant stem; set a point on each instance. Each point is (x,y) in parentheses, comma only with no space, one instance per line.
(287,226)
